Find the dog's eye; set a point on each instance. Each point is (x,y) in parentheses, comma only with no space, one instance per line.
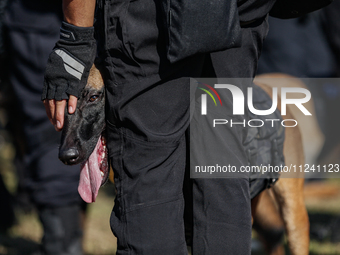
(93,98)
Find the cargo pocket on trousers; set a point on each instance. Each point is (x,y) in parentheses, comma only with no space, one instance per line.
(192,31)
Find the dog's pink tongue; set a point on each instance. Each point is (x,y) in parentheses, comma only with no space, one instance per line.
(90,177)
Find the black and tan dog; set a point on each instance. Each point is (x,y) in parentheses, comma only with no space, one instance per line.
(82,142)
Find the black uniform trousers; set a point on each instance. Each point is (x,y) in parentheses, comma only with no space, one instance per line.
(147,117)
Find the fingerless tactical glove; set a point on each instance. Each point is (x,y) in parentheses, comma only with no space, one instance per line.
(69,63)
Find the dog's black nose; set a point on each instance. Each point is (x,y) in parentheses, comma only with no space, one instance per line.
(69,156)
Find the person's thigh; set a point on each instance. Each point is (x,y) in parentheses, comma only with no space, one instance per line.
(147,114)
(221,206)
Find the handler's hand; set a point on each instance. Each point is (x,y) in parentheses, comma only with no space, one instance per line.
(55,110)
(67,71)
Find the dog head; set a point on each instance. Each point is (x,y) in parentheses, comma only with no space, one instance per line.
(82,139)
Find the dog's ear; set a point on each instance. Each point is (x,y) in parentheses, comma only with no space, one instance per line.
(95,80)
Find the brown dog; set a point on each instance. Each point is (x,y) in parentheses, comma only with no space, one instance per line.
(81,140)
(283,206)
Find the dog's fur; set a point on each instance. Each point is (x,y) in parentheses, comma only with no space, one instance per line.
(82,129)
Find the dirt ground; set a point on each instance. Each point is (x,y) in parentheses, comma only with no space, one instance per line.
(323,208)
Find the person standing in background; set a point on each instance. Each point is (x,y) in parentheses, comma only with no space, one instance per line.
(30,31)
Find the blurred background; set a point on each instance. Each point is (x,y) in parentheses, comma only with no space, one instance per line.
(40,209)
(309,46)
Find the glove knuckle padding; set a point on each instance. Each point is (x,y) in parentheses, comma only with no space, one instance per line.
(69,63)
